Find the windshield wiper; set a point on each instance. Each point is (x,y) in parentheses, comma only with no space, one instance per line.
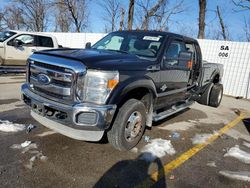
(121,51)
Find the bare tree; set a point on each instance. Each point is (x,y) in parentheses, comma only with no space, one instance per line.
(202,15)
(149,11)
(242,5)
(247,29)
(78,13)
(35,13)
(131,14)
(111,13)
(222,25)
(157,14)
(122,19)
(1,22)
(62,17)
(12,18)
(163,18)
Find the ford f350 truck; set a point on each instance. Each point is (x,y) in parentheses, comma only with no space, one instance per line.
(120,85)
(17,46)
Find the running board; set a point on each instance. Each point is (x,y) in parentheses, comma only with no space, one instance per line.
(171,111)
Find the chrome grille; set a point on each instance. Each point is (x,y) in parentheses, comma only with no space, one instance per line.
(61,80)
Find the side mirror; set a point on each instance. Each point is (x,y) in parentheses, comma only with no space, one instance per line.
(169,62)
(88,45)
(18,43)
(185,59)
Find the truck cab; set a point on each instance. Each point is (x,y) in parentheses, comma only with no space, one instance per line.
(119,85)
(17,46)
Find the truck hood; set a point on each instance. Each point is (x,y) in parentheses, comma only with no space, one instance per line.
(101,59)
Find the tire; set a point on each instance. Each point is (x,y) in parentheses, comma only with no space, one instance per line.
(129,125)
(216,95)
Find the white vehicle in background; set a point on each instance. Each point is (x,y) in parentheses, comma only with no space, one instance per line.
(17,46)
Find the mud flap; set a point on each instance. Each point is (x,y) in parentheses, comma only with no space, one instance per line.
(204,98)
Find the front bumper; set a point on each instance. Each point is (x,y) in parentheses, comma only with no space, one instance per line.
(81,121)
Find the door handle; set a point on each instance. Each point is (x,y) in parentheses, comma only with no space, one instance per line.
(153,68)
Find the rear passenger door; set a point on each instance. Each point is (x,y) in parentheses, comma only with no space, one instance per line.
(43,42)
(175,75)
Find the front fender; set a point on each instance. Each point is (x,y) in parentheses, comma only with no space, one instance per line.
(128,85)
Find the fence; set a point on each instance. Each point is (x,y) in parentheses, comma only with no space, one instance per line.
(77,40)
(235,56)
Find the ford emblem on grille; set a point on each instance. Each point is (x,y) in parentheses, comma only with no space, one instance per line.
(43,79)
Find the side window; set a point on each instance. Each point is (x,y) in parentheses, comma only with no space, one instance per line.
(44,42)
(173,52)
(26,40)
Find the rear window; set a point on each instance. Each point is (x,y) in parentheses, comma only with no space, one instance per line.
(44,41)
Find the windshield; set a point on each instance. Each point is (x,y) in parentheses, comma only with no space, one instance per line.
(145,45)
(5,35)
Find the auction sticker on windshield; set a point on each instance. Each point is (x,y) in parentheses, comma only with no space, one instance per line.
(151,38)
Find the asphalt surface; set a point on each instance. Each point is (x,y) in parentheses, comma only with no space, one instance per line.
(72,163)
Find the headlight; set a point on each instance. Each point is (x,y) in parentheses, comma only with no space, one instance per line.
(96,86)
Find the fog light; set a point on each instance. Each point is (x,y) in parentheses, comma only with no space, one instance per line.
(86,118)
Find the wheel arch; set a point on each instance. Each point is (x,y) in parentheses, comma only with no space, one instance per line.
(216,78)
(143,90)
(132,89)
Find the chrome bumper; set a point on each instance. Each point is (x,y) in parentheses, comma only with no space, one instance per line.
(83,121)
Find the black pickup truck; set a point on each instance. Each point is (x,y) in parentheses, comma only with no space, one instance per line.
(120,85)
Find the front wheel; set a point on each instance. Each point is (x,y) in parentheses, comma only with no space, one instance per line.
(128,126)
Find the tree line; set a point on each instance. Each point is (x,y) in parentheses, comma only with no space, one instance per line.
(73,16)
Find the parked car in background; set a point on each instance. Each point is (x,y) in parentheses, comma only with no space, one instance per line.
(17,46)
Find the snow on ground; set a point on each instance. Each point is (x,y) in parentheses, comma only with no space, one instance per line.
(7,126)
(201,138)
(244,175)
(38,156)
(246,144)
(157,148)
(211,164)
(26,146)
(239,154)
(46,133)
(31,148)
(26,143)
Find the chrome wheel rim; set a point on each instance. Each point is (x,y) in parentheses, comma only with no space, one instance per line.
(133,126)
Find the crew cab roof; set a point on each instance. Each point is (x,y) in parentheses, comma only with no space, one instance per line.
(185,38)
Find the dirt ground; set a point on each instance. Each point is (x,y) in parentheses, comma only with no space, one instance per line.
(53,160)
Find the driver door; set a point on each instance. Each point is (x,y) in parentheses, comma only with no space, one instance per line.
(17,55)
(175,74)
